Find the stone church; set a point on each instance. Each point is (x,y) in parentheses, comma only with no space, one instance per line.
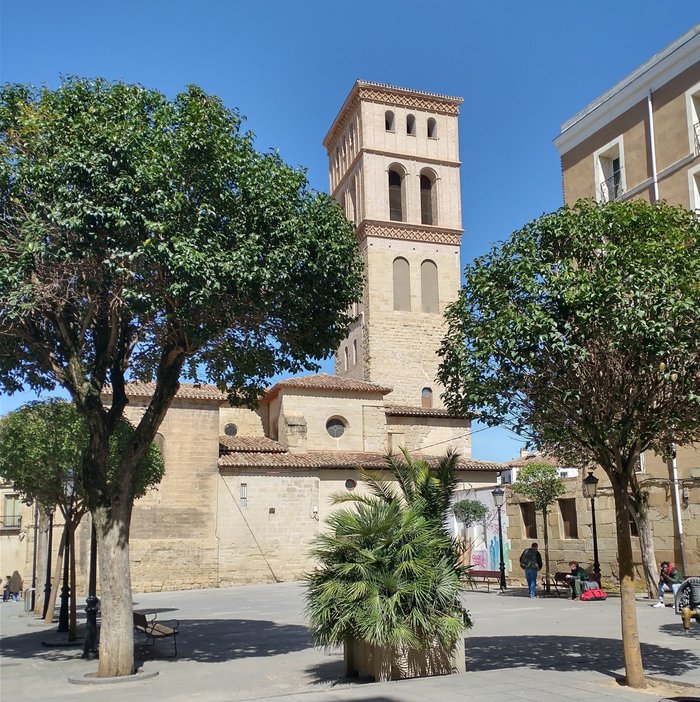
(245,491)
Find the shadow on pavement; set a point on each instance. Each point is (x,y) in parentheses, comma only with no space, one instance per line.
(571,653)
(203,640)
(693,634)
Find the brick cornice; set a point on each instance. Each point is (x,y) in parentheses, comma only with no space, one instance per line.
(411,232)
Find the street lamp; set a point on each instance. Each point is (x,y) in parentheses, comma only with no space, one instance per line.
(90,646)
(68,488)
(47,584)
(590,488)
(498,499)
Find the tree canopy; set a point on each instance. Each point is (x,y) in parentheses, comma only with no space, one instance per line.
(539,482)
(42,443)
(581,331)
(143,238)
(469,511)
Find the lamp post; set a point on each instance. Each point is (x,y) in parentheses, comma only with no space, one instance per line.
(498,499)
(90,646)
(68,487)
(47,584)
(590,488)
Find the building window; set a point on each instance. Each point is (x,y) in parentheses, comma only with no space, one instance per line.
(426,398)
(527,510)
(345,358)
(354,352)
(352,202)
(429,287)
(432,128)
(428,214)
(11,517)
(402,285)
(692,98)
(389,121)
(610,172)
(335,426)
(244,495)
(633,528)
(396,196)
(410,125)
(350,484)
(569,520)
(694,186)
(230,429)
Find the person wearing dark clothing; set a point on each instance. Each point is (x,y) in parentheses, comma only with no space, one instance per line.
(531,563)
(669,581)
(576,578)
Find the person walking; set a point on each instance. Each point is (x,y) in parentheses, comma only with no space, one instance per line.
(15,586)
(531,563)
(669,581)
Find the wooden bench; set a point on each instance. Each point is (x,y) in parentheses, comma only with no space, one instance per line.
(560,579)
(484,576)
(156,630)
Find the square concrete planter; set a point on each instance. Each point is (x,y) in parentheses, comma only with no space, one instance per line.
(385,663)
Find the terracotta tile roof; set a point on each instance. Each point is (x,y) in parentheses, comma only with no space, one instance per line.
(324,381)
(189,391)
(400,411)
(528,460)
(314,460)
(249,444)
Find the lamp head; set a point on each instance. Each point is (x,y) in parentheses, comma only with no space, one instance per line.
(498,497)
(590,485)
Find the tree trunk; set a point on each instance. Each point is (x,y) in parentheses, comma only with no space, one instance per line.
(117,631)
(634,670)
(56,582)
(547,586)
(41,558)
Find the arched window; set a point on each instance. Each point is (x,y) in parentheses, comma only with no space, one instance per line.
(396,196)
(353,203)
(432,128)
(426,398)
(389,121)
(354,351)
(402,285)
(345,358)
(410,125)
(429,287)
(428,198)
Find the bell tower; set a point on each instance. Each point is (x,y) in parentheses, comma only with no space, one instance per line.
(394,167)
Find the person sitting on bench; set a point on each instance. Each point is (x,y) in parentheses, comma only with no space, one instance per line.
(576,578)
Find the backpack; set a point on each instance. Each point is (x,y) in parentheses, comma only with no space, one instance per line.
(594,594)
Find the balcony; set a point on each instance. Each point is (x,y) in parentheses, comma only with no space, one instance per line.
(696,134)
(611,188)
(10,522)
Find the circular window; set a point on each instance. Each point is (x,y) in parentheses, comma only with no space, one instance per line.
(335,427)
(230,430)
(350,484)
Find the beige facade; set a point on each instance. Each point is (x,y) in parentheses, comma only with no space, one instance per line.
(642,137)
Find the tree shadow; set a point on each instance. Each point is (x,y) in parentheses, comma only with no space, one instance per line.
(571,653)
(202,640)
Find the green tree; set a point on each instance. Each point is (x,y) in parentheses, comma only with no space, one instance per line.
(540,482)
(388,571)
(469,511)
(582,332)
(41,448)
(146,239)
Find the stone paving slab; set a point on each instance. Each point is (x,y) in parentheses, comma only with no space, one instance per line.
(251,643)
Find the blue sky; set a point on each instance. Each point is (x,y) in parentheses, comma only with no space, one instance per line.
(522,69)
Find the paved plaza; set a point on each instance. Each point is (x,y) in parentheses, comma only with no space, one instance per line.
(251,643)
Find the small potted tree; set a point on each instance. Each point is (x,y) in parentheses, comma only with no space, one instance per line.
(388,580)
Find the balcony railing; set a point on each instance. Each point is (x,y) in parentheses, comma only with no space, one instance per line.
(611,188)
(10,521)
(696,132)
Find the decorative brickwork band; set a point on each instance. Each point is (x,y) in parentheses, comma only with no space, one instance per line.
(409,232)
(416,101)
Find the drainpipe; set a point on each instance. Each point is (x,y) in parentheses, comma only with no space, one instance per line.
(673,475)
(652,151)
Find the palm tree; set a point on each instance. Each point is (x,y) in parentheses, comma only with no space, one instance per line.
(389,574)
